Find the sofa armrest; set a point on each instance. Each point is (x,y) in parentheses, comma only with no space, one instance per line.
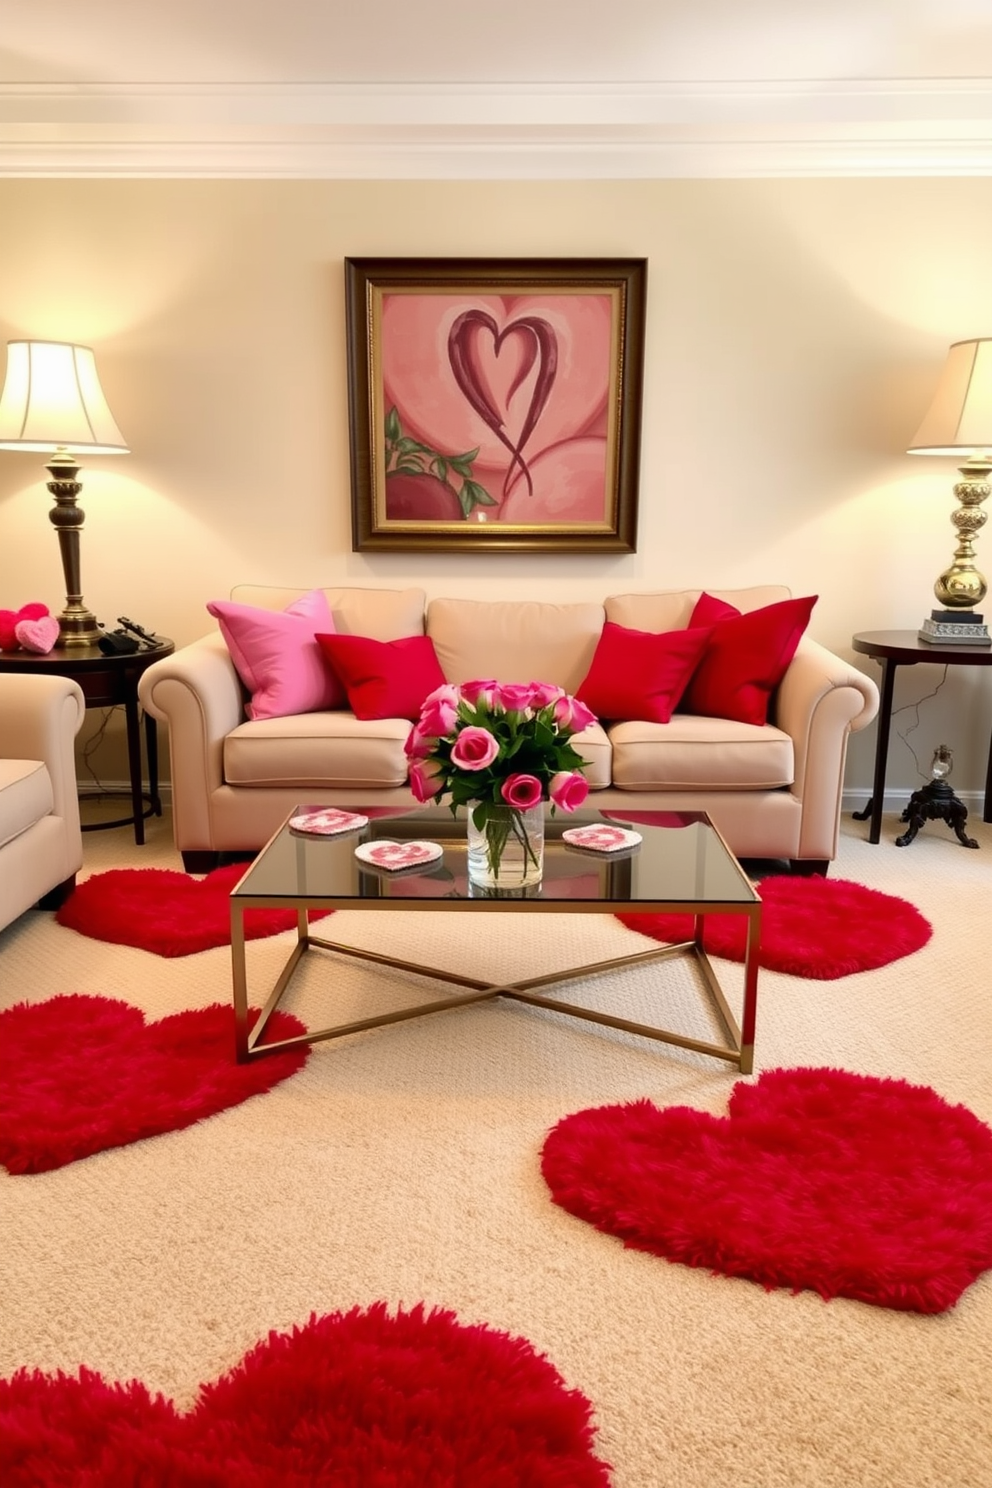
(197,693)
(40,717)
(820,702)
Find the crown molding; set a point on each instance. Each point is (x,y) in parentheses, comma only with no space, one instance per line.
(493,131)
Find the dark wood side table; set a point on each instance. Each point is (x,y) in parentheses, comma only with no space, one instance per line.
(896,648)
(107,682)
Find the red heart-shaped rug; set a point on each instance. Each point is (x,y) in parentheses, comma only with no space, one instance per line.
(848,1185)
(79,1074)
(815,927)
(167,912)
(359,1399)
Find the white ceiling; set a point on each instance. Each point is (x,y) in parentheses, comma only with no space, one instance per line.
(518,88)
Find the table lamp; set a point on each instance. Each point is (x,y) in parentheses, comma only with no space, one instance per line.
(52,402)
(959,422)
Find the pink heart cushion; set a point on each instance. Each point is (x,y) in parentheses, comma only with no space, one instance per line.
(37,635)
(357,1398)
(848,1185)
(79,1074)
(166,912)
(9,618)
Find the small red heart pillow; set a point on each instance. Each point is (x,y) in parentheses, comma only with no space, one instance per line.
(10,619)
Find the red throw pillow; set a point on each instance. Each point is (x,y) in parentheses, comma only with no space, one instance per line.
(384,679)
(746,658)
(640,674)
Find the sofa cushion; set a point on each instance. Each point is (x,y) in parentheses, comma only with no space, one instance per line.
(671,609)
(694,753)
(332,750)
(25,796)
(384,679)
(514,640)
(638,674)
(593,744)
(384,614)
(277,657)
(746,658)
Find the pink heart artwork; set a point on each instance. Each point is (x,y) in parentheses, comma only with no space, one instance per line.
(843,1184)
(166,912)
(81,1073)
(358,1397)
(37,635)
(9,619)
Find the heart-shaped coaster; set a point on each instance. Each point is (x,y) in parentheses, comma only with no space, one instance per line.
(167,912)
(326,821)
(848,1185)
(810,927)
(37,635)
(601,838)
(358,1398)
(391,857)
(80,1073)
(9,619)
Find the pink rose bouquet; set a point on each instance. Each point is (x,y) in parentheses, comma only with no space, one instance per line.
(500,748)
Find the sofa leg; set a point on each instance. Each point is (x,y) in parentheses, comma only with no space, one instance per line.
(807,867)
(57,896)
(201,862)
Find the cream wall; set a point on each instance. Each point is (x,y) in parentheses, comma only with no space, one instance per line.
(795,332)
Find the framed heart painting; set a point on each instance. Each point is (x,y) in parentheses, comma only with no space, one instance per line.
(495,403)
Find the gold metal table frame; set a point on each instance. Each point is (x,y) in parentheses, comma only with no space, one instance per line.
(737,1046)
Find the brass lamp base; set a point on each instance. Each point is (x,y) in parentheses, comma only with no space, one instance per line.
(961,586)
(77,625)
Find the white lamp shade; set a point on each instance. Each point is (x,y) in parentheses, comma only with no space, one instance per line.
(959,420)
(52,400)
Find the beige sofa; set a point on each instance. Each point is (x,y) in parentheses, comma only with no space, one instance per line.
(774,791)
(41,846)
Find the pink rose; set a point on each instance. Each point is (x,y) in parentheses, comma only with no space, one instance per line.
(568,789)
(516,697)
(424,779)
(479,692)
(474,749)
(440,711)
(544,693)
(523,791)
(573,715)
(418,744)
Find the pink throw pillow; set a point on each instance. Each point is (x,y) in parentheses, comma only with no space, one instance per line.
(746,657)
(277,656)
(384,679)
(640,674)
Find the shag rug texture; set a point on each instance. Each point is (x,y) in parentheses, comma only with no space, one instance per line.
(361,1399)
(165,911)
(81,1073)
(815,927)
(844,1184)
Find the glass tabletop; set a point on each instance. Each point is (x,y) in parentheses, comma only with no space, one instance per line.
(681,860)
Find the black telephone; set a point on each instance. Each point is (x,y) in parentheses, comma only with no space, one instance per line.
(123,642)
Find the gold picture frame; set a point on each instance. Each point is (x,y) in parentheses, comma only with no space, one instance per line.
(495,403)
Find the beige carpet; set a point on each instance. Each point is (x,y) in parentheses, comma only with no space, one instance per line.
(403,1164)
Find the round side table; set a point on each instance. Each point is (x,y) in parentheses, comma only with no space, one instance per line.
(896,648)
(108,682)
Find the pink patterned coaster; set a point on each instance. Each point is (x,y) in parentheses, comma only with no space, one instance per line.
(326,821)
(601,838)
(391,857)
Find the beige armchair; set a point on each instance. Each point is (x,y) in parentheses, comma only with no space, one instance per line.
(41,846)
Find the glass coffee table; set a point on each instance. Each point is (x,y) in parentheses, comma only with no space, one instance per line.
(682,865)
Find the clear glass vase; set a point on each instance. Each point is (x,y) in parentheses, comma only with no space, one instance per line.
(507,850)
